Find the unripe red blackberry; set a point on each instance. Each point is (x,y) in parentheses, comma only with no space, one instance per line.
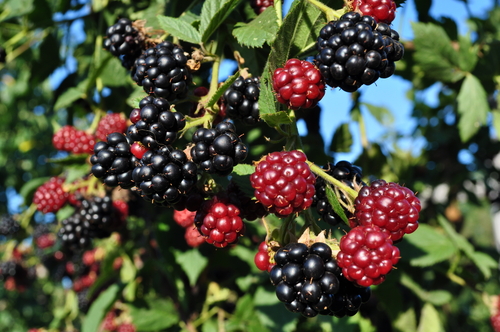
(164,176)
(113,162)
(260,5)
(184,218)
(155,125)
(393,208)
(219,149)
(126,327)
(355,50)
(219,221)
(50,196)
(241,100)
(162,71)
(193,237)
(367,255)
(381,10)
(343,171)
(109,324)
(44,236)
(284,183)
(298,84)
(111,123)
(124,41)
(70,139)
(262,258)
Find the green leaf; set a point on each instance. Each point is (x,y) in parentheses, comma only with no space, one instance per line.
(435,246)
(75,171)
(436,297)
(68,97)
(222,88)
(99,308)
(213,14)
(244,169)
(65,212)
(382,114)
(192,262)
(276,119)
(128,269)
(485,263)
(260,30)
(180,29)
(429,319)
(467,54)
(342,139)
(69,160)
(472,106)
(496,122)
(267,101)
(435,54)
(334,202)
(159,315)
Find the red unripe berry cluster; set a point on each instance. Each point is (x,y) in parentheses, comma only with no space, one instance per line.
(381,10)
(284,183)
(111,123)
(50,196)
(70,139)
(261,258)
(185,219)
(299,84)
(219,222)
(367,255)
(260,5)
(393,208)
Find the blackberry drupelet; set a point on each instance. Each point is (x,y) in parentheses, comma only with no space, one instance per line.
(112,161)
(154,124)
(343,171)
(355,50)
(218,149)
(240,101)
(162,71)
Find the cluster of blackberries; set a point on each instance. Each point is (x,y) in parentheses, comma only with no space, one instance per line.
(355,50)
(162,71)
(343,171)
(124,41)
(218,149)
(8,226)
(112,161)
(154,124)
(309,281)
(240,101)
(96,218)
(163,176)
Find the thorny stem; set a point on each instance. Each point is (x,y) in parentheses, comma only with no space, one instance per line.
(321,172)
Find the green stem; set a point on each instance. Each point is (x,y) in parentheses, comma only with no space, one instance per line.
(294,141)
(331,15)
(310,222)
(284,228)
(321,172)
(279,12)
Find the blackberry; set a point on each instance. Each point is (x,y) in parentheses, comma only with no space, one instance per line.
(8,226)
(101,216)
(112,161)
(343,171)
(162,71)
(83,300)
(260,5)
(74,232)
(70,139)
(155,125)
(15,276)
(124,41)
(50,196)
(355,50)
(381,10)
(308,281)
(218,149)
(111,123)
(43,236)
(164,176)
(240,101)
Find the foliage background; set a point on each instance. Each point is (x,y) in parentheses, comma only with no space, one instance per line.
(448,269)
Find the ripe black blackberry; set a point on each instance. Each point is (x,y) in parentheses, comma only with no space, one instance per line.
(164,176)
(74,232)
(355,50)
(101,216)
(8,226)
(218,149)
(124,41)
(155,126)
(343,171)
(240,101)
(308,280)
(162,71)
(113,162)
